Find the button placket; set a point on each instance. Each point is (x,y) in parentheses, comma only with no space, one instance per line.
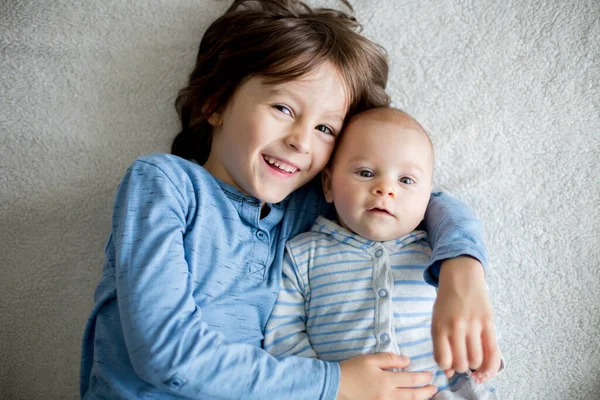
(257,265)
(382,284)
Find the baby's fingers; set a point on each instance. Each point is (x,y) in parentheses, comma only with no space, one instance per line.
(411,380)
(421,393)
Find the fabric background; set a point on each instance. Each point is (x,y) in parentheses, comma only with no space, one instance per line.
(508,89)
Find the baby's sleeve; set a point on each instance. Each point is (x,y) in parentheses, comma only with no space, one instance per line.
(285,333)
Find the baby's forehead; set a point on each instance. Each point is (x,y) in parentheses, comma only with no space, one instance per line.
(385,115)
(369,124)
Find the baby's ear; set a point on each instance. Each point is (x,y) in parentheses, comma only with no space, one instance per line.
(326,181)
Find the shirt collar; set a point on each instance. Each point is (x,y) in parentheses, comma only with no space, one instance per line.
(343,235)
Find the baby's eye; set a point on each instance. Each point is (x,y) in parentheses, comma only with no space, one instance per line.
(406,180)
(325,129)
(283,109)
(366,174)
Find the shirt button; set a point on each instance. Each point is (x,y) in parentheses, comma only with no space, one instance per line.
(175,383)
(384,337)
(382,293)
(261,235)
(378,253)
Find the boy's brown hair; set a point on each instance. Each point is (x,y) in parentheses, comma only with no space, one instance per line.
(280,40)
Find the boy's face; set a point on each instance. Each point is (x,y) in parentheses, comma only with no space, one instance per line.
(273,138)
(381,178)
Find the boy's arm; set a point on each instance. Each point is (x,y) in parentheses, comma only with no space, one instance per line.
(286,329)
(168,343)
(454,231)
(463,329)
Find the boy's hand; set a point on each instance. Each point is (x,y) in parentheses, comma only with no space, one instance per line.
(463,330)
(364,378)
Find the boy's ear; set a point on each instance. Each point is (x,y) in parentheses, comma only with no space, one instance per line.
(215,119)
(326,181)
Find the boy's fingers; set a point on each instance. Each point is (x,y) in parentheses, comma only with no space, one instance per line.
(442,352)
(411,379)
(421,393)
(388,360)
(491,354)
(474,351)
(460,362)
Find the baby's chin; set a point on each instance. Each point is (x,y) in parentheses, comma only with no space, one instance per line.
(378,237)
(376,234)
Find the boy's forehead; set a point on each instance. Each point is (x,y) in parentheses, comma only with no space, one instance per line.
(323,82)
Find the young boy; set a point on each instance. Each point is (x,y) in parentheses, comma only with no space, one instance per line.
(357,285)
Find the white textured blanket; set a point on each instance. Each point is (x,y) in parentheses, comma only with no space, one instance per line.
(509,90)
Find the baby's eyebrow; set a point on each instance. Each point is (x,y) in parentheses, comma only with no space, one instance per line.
(405,166)
(413,166)
(357,160)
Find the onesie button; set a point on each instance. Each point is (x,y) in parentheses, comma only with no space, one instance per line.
(261,235)
(378,253)
(382,293)
(384,337)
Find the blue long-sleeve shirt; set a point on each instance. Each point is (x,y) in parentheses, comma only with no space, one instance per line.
(191,274)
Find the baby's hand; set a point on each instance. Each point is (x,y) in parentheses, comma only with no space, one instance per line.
(366,377)
(463,330)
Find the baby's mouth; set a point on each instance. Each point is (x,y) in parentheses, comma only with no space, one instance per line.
(378,210)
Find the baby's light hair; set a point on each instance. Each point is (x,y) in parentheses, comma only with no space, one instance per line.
(279,40)
(384,114)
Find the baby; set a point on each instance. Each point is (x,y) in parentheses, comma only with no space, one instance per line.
(356,285)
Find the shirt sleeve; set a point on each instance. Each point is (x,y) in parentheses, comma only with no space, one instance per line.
(286,329)
(454,231)
(168,343)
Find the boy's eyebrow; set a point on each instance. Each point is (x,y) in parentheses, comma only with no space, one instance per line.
(338,115)
(278,91)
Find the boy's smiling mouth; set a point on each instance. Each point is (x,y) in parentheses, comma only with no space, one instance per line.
(280,164)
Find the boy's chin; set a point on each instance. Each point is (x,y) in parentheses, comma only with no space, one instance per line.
(272,198)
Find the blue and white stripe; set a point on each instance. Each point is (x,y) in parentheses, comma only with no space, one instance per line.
(344,295)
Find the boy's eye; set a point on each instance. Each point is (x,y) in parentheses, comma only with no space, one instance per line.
(325,129)
(406,180)
(283,109)
(366,174)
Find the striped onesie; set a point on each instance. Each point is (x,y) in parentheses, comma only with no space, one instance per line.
(343,295)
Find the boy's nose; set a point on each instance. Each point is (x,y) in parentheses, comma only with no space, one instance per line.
(299,139)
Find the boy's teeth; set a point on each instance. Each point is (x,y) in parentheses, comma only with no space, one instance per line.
(280,165)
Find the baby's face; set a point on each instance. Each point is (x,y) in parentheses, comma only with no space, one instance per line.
(381,178)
